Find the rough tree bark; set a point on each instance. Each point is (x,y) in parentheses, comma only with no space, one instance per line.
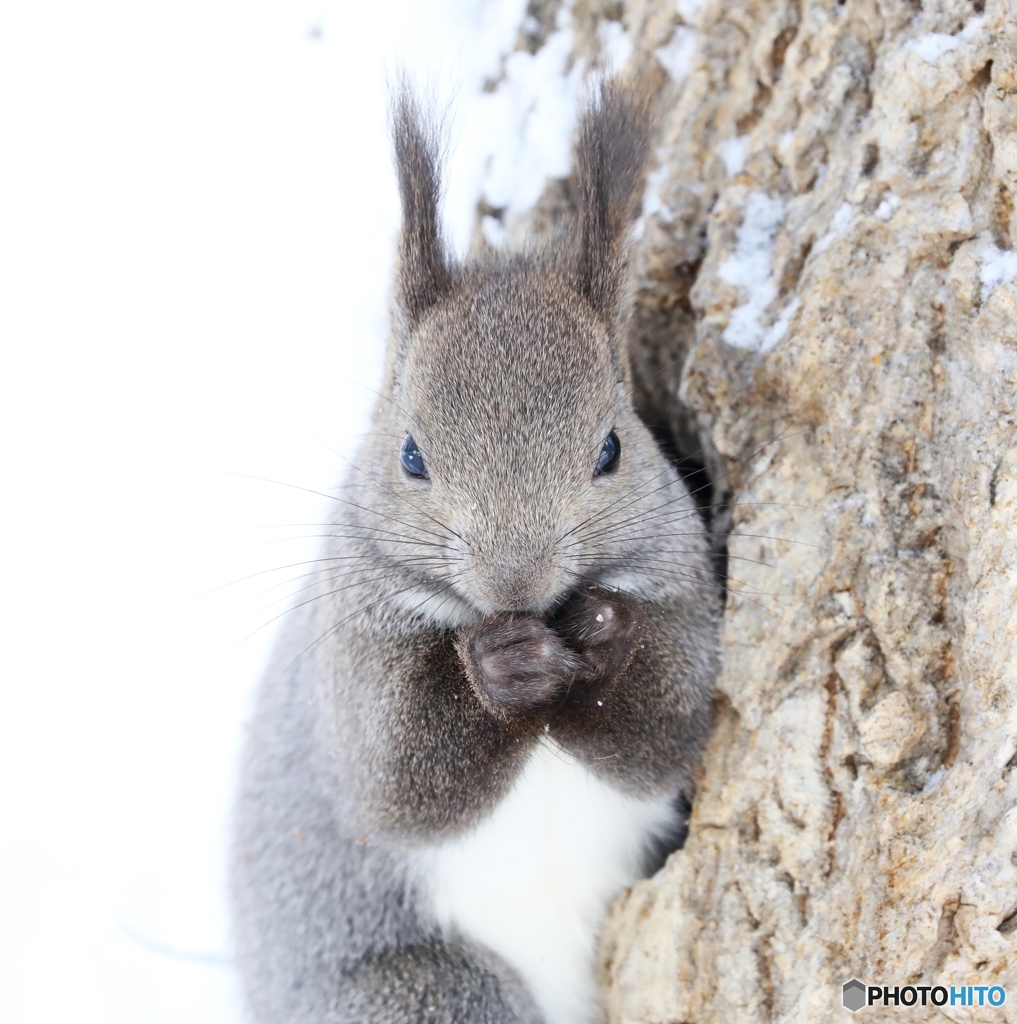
(826,307)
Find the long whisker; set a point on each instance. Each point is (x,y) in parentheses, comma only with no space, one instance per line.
(681,514)
(606,529)
(381,555)
(418,564)
(410,542)
(448,597)
(333,497)
(782,436)
(722,577)
(297,565)
(695,568)
(740,593)
(693,508)
(395,494)
(732,536)
(693,551)
(762,536)
(351,526)
(673,467)
(448,582)
(595,515)
(319,597)
(391,401)
(642,566)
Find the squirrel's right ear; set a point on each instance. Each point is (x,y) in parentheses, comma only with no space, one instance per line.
(424,276)
(612,145)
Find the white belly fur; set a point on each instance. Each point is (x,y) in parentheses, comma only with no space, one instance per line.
(533,881)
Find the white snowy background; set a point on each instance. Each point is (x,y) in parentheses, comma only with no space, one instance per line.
(197,218)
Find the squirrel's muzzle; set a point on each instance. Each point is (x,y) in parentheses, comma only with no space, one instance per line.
(509,580)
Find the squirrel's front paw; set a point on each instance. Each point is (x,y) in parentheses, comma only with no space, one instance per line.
(602,626)
(517,664)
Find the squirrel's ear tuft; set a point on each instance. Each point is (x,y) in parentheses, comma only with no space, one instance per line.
(612,146)
(424,275)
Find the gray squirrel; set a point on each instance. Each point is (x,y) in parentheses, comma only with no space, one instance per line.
(483,718)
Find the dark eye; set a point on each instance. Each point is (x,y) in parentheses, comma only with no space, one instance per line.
(410,457)
(609,453)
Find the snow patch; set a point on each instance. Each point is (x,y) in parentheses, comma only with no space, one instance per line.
(784,141)
(676,54)
(529,121)
(842,218)
(732,152)
(689,10)
(957,217)
(493,231)
(888,207)
(750,268)
(653,205)
(838,225)
(931,46)
(615,44)
(972,28)
(999,267)
(779,327)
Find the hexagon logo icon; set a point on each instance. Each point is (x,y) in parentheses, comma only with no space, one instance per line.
(854,995)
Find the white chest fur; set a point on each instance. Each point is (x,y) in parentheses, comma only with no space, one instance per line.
(533,881)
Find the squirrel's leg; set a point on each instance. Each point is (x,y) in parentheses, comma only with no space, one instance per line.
(437,982)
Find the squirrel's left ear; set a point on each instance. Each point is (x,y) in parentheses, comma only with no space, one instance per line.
(612,146)
(424,274)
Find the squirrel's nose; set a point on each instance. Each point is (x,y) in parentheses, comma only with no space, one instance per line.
(514,582)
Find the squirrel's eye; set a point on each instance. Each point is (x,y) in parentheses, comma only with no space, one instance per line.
(609,453)
(410,457)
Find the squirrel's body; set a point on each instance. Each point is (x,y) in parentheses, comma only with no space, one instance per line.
(483,719)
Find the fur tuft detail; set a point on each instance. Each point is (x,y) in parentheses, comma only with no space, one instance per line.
(612,146)
(424,274)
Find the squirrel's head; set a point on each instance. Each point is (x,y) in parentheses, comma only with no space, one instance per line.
(506,433)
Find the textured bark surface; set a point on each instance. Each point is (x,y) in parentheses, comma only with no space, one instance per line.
(826,303)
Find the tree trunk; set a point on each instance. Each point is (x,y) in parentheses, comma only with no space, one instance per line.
(826,304)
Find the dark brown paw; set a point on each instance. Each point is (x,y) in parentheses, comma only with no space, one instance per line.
(517,664)
(602,627)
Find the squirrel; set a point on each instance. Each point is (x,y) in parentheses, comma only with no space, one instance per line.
(484,716)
